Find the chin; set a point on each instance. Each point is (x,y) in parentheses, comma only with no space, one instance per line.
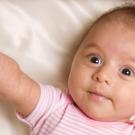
(101,118)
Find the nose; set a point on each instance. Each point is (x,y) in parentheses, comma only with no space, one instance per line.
(103,75)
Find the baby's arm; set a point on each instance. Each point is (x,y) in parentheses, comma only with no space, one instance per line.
(17,87)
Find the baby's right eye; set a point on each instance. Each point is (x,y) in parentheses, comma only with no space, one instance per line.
(95,59)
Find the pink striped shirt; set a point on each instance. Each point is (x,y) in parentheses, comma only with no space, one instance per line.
(56,114)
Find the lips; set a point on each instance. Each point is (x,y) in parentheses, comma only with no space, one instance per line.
(96,95)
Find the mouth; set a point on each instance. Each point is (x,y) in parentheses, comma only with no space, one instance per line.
(97,96)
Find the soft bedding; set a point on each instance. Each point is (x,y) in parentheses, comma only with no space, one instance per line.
(42,36)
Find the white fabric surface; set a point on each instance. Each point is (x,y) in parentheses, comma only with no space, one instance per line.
(42,35)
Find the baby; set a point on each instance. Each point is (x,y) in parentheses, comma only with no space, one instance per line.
(100,96)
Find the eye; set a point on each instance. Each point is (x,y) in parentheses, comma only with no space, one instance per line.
(96,59)
(127,71)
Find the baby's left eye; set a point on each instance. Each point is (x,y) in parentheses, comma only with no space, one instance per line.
(127,71)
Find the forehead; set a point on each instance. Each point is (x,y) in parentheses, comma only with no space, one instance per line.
(110,33)
(110,36)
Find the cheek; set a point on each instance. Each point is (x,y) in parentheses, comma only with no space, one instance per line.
(125,100)
(80,77)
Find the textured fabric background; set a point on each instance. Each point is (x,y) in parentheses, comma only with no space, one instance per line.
(42,36)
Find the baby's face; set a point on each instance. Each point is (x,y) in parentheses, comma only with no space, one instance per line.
(102,77)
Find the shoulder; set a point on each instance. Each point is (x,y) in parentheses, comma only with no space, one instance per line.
(59,94)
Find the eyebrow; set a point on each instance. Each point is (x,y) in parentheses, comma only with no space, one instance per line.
(92,45)
(132,59)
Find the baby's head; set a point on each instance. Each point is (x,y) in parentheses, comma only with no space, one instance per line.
(102,76)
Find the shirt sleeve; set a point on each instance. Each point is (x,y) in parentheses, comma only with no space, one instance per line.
(49,101)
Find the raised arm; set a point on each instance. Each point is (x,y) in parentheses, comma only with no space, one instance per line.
(17,87)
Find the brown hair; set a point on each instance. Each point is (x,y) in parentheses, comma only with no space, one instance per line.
(124,15)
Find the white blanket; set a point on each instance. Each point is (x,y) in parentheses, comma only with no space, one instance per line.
(42,36)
